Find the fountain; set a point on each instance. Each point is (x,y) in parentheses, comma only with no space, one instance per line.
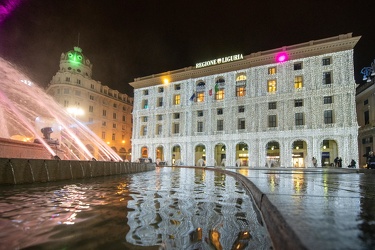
(40,141)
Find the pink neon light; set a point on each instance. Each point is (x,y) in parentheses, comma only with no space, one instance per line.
(281,57)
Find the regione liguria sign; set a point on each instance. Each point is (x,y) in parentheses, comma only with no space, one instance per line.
(221,60)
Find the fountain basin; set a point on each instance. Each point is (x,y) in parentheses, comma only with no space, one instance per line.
(20,171)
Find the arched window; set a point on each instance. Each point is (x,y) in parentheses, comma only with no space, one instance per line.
(241,85)
(219,89)
(200,90)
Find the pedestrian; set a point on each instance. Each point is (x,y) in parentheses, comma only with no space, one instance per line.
(339,162)
(371,160)
(314,161)
(352,164)
(336,161)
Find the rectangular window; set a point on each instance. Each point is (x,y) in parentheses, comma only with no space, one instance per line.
(176,100)
(160,117)
(200,113)
(91,97)
(67,79)
(104,112)
(103,135)
(272,105)
(124,118)
(145,104)
(298,118)
(114,125)
(161,89)
(176,128)
(271,86)
(200,127)
(327,78)
(114,116)
(272,70)
(159,129)
(240,90)
(297,66)
(200,97)
(144,118)
(220,125)
(79,81)
(220,111)
(160,102)
(176,115)
(272,121)
(177,87)
(328,116)
(144,130)
(219,94)
(367,117)
(241,123)
(91,108)
(327,100)
(326,61)
(365,102)
(92,86)
(298,103)
(241,109)
(145,92)
(298,82)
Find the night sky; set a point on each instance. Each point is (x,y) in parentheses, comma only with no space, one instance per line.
(126,39)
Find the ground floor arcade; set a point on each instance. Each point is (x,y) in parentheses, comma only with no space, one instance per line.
(251,151)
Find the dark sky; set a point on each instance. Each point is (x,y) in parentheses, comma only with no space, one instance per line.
(125,39)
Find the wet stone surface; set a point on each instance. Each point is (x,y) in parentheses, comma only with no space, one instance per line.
(163,209)
(327,208)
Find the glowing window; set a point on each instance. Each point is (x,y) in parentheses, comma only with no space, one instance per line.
(241,77)
(200,97)
(240,91)
(271,86)
(272,70)
(220,94)
(176,100)
(298,82)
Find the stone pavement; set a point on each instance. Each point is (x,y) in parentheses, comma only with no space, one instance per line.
(327,208)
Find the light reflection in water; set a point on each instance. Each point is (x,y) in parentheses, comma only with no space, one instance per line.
(214,213)
(162,209)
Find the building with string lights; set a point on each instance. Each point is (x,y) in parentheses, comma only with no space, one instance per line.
(365,100)
(106,111)
(274,108)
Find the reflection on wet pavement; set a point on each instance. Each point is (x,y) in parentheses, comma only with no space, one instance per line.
(328,209)
(163,209)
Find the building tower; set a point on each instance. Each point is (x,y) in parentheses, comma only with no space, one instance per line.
(275,108)
(105,111)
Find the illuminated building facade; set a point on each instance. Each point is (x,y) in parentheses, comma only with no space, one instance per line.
(105,111)
(279,107)
(366,115)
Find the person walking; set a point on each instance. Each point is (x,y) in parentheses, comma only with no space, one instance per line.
(371,160)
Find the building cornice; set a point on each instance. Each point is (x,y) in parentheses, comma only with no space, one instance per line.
(312,48)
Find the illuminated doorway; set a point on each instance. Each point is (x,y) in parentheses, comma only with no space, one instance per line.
(220,155)
(242,154)
(299,152)
(200,155)
(273,154)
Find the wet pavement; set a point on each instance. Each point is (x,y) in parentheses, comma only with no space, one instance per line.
(327,208)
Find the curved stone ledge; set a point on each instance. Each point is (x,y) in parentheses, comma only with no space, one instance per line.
(281,233)
(21,171)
